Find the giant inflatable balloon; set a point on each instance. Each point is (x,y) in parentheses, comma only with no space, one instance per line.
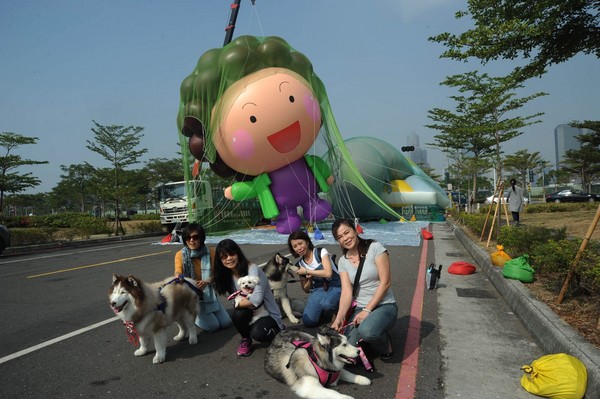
(252,110)
(395,179)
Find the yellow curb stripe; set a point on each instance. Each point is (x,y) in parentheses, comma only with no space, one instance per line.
(96,265)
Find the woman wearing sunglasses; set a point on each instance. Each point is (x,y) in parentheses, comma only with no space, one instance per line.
(194,261)
(230,264)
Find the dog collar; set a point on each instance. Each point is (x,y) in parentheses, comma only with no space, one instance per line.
(132,334)
(238,292)
(326,377)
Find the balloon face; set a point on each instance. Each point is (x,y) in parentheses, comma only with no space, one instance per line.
(265,121)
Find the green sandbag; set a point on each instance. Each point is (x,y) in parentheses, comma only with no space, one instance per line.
(519,269)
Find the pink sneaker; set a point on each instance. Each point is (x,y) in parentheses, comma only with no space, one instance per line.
(245,347)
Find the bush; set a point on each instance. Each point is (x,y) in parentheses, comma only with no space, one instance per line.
(520,240)
(32,235)
(149,227)
(147,216)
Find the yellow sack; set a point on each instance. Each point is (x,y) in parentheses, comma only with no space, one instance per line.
(558,376)
(499,257)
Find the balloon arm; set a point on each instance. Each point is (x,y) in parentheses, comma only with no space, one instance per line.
(259,187)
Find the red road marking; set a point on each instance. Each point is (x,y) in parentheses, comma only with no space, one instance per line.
(407,381)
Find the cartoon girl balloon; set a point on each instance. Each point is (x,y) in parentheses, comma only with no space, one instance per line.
(252,110)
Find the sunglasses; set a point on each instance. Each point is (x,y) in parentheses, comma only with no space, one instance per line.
(195,237)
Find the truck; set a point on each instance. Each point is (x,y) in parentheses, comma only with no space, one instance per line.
(174,200)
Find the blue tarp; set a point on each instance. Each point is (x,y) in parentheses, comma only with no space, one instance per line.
(390,234)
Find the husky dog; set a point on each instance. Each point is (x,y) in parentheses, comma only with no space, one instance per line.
(246,287)
(433,276)
(277,270)
(308,364)
(148,309)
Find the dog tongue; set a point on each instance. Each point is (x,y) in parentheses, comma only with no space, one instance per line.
(117,310)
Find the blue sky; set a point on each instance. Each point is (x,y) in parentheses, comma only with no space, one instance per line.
(66,62)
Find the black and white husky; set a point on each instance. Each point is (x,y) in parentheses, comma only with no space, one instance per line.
(148,309)
(309,365)
(276,270)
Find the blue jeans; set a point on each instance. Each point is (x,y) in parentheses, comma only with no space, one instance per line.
(375,327)
(319,302)
(214,321)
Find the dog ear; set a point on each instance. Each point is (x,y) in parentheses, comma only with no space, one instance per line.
(114,277)
(324,340)
(131,280)
(278,257)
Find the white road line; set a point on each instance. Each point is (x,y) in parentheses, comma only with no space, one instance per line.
(55,340)
(62,338)
(62,253)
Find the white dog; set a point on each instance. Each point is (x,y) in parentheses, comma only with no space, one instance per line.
(246,286)
(148,309)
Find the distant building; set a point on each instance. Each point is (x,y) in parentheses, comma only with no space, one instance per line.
(419,155)
(565,138)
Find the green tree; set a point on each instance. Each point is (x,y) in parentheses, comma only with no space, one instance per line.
(27,204)
(10,180)
(117,144)
(164,170)
(76,183)
(520,163)
(542,32)
(585,161)
(478,126)
(558,177)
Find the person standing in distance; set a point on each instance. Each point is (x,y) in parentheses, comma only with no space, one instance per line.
(515,198)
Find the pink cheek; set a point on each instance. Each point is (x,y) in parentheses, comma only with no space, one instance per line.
(312,108)
(242,144)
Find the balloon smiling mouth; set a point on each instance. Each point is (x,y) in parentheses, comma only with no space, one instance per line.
(286,139)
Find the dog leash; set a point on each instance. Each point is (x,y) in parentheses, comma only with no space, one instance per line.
(181,279)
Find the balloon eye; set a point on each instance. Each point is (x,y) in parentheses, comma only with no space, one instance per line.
(292,99)
(253,119)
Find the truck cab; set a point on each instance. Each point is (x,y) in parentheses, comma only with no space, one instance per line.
(178,202)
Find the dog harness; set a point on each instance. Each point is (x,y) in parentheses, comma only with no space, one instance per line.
(130,330)
(326,377)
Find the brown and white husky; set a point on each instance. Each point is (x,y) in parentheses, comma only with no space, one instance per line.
(148,309)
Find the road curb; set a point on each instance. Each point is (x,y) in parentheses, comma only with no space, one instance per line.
(553,334)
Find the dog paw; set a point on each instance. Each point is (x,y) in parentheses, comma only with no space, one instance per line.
(193,340)
(158,359)
(294,320)
(361,380)
(140,352)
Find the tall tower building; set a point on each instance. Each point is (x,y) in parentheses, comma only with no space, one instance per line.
(564,140)
(419,155)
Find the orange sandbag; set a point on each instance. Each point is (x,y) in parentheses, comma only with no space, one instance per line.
(426,234)
(499,257)
(462,267)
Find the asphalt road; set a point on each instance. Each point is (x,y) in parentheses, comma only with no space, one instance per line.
(60,339)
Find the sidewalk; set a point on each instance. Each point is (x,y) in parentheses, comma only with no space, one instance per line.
(490,326)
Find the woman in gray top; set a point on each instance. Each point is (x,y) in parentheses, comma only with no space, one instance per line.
(515,198)
(375,314)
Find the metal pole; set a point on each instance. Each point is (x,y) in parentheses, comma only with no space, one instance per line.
(235,8)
